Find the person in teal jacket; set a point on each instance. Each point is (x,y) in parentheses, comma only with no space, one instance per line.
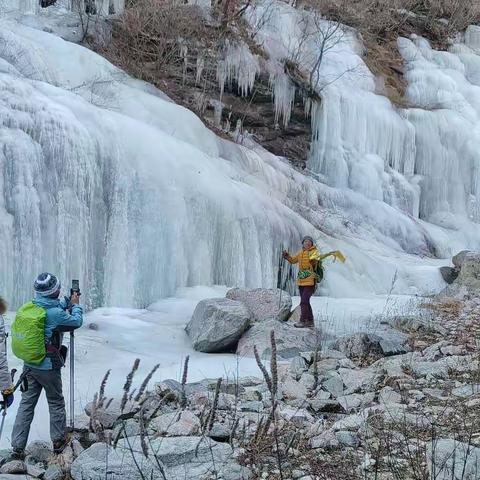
(61,316)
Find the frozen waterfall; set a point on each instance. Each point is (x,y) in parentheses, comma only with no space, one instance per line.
(105,179)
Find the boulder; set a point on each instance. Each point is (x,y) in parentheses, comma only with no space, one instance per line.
(195,455)
(291,341)
(449,274)
(91,464)
(359,346)
(108,416)
(326,441)
(459,258)
(468,281)
(449,459)
(14,467)
(347,438)
(39,451)
(217,324)
(264,304)
(176,424)
(54,472)
(10,476)
(355,401)
(385,342)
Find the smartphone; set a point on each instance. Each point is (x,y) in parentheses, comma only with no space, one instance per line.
(75,287)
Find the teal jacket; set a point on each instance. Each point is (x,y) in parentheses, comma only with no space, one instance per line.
(58,319)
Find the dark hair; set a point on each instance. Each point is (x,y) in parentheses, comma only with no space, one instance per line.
(3,306)
(55,295)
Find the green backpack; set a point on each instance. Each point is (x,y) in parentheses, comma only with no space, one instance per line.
(28,334)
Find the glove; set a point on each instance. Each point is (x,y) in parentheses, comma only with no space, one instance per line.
(7,397)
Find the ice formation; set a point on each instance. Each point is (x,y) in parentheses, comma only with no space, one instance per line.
(105,179)
(423,161)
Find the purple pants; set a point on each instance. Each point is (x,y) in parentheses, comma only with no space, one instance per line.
(305,307)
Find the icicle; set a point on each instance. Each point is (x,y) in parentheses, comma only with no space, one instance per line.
(200,67)
(237,64)
(283,93)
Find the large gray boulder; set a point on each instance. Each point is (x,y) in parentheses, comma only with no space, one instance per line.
(290,340)
(468,281)
(91,464)
(264,304)
(449,274)
(459,258)
(449,459)
(384,343)
(217,324)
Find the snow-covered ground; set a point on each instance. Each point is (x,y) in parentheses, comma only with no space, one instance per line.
(156,335)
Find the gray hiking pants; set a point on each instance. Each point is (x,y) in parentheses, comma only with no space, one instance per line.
(51,381)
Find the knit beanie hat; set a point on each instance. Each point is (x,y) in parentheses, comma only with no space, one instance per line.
(307,238)
(46,284)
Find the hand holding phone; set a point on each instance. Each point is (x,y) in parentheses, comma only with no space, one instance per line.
(75,298)
(75,292)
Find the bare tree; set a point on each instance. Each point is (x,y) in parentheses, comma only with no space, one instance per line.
(318,37)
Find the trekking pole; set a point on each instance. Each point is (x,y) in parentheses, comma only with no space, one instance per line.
(72,380)
(280,276)
(4,406)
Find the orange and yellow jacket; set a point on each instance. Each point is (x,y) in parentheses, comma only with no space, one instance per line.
(308,261)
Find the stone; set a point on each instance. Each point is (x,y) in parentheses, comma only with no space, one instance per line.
(333,384)
(468,280)
(255,406)
(356,401)
(129,428)
(234,471)
(219,432)
(326,440)
(290,341)
(298,365)
(195,455)
(54,472)
(326,406)
(109,416)
(347,438)
(449,459)
(176,424)
(295,315)
(40,451)
(8,476)
(327,364)
(263,304)
(365,379)
(449,274)
(296,416)
(217,325)
(459,258)
(5,456)
(385,342)
(351,422)
(291,389)
(465,391)
(35,470)
(389,395)
(91,464)
(14,467)
(93,326)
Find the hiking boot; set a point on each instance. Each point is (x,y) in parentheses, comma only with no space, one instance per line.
(59,445)
(17,454)
(304,324)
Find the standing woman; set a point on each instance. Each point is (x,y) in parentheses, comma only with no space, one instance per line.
(307,260)
(6,386)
